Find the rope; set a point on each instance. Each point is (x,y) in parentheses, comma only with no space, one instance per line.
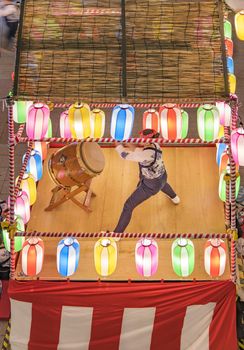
(125,235)
(234,114)
(227,187)
(130,140)
(23,169)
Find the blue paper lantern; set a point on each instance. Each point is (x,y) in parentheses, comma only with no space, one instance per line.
(122,122)
(34,165)
(221,147)
(230,65)
(68,254)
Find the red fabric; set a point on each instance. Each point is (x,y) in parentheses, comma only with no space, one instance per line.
(109,300)
(4,302)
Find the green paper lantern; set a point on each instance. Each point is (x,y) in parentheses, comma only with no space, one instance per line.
(20,110)
(18,241)
(50,129)
(208,122)
(224,180)
(227,29)
(183,257)
(185,124)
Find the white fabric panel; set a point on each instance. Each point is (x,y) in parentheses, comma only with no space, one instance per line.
(75,328)
(137,327)
(195,331)
(21,316)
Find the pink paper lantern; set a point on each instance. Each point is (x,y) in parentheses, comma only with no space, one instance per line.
(22,206)
(237,145)
(64,125)
(171,121)
(151,120)
(224,113)
(32,256)
(215,257)
(146,255)
(37,121)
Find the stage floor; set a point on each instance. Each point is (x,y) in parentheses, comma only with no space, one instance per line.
(192,172)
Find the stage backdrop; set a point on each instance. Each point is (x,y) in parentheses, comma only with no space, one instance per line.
(123,316)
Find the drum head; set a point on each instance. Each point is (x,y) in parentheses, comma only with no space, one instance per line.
(92,156)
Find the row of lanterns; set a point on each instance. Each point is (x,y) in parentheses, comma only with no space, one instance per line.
(106,255)
(229,56)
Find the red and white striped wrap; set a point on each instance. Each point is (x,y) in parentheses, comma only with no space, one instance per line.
(233,260)
(234,116)
(151,119)
(23,168)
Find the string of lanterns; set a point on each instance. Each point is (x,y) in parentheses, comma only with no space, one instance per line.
(146,257)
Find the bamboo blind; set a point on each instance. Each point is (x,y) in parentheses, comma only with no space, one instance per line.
(83,50)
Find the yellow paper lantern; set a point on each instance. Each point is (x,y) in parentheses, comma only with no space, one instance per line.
(232,83)
(105,256)
(97,123)
(79,117)
(239,24)
(28,185)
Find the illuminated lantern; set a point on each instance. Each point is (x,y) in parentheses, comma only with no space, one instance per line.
(239,25)
(122,122)
(37,121)
(34,165)
(232,83)
(229,47)
(105,256)
(28,185)
(79,116)
(49,132)
(146,255)
(185,124)
(151,120)
(171,121)
(64,125)
(32,256)
(221,147)
(18,241)
(223,182)
(22,206)
(227,29)
(183,257)
(230,65)
(215,257)
(12,76)
(40,147)
(208,122)
(68,254)
(225,161)
(97,123)
(224,113)
(221,132)
(237,145)
(20,111)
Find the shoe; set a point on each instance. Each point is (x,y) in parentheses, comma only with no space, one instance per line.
(175,200)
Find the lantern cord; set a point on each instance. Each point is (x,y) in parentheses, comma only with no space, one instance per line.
(23,169)
(125,235)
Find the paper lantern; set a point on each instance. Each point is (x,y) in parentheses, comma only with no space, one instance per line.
(49,132)
(221,147)
(151,120)
(223,183)
(18,241)
(41,147)
(224,113)
(221,132)
(146,256)
(232,83)
(28,185)
(64,125)
(79,116)
(32,256)
(185,124)
(122,122)
(239,24)
(237,145)
(20,111)
(225,161)
(208,122)
(183,257)
(215,257)
(230,65)
(22,206)
(68,254)
(97,123)
(37,121)
(34,165)
(105,256)
(229,47)
(171,121)
(227,29)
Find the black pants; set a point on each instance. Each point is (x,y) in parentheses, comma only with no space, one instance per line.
(12,26)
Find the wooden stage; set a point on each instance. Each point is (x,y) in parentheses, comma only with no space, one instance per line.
(193,174)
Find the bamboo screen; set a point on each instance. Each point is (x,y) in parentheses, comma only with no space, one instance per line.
(121,50)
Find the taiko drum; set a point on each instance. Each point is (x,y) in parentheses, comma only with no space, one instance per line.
(77,163)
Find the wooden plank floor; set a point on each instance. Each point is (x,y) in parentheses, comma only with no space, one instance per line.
(192,172)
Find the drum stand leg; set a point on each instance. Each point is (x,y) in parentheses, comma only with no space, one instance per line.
(62,194)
